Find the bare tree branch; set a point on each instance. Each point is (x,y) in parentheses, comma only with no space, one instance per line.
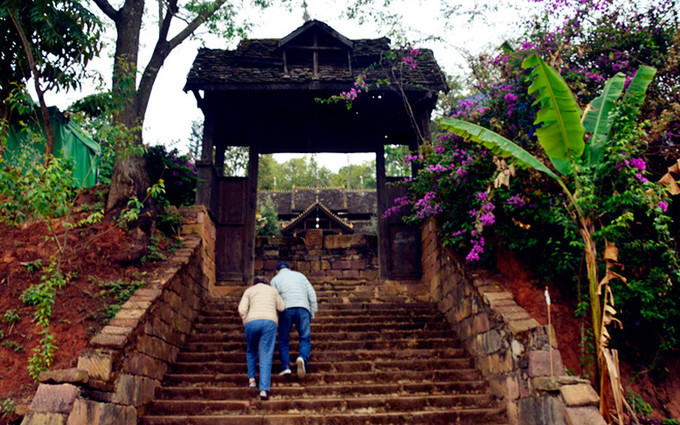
(195,23)
(108,10)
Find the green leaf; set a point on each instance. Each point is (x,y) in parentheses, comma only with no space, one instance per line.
(635,94)
(597,119)
(561,133)
(496,143)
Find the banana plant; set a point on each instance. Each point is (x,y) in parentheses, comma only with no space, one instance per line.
(561,135)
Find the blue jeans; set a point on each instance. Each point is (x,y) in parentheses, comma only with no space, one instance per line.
(300,317)
(261,337)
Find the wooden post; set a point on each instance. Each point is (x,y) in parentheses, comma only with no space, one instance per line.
(383,228)
(251,202)
(204,165)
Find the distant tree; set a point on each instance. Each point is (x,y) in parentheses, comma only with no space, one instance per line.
(302,172)
(196,139)
(268,169)
(361,176)
(395,160)
(268,223)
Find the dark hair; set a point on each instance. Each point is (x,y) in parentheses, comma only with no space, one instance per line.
(260,279)
(282,265)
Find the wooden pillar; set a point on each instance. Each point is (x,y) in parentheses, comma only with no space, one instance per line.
(251,197)
(219,159)
(205,164)
(383,229)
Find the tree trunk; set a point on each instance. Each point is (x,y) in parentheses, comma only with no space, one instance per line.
(129,175)
(49,133)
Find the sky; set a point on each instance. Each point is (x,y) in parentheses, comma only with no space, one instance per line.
(171,111)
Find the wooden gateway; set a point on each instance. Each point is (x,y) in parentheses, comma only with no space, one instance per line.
(264,95)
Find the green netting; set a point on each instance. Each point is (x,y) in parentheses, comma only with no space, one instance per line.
(69,142)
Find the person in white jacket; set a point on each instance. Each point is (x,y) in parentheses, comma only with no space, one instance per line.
(259,309)
(301,306)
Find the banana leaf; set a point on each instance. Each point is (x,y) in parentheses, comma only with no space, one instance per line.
(561,133)
(598,120)
(635,95)
(496,143)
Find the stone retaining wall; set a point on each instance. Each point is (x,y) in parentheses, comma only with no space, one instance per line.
(118,373)
(329,257)
(516,354)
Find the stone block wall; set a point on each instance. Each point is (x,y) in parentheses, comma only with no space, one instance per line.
(332,257)
(516,354)
(117,375)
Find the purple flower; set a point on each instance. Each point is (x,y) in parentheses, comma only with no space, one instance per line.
(641,177)
(487,219)
(516,201)
(639,164)
(663,205)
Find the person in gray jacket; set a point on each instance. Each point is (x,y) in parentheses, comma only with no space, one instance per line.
(301,305)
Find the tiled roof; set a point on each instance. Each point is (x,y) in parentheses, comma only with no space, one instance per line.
(260,62)
(338,222)
(335,199)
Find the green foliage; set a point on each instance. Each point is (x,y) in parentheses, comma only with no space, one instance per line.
(12,346)
(155,253)
(120,291)
(63,37)
(496,143)
(169,221)
(361,176)
(268,222)
(598,119)
(34,265)
(130,213)
(639,406)
(177,172)
(395,166)
(42,297)
(35,191)
(561,133)
(10,317)
(7,407)
(610,198)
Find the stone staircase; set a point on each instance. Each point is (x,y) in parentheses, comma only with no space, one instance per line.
(378,357)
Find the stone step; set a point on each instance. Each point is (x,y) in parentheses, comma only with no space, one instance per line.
(331,356)
(378,357)
(488,416)
(238,343)
(362,325)
(387,308)
(325,390)
(379,365)
(277,404)
(320,337)
(323,317)
(318,377)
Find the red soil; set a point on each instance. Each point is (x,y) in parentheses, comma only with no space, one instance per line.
(93,255)
(663,395)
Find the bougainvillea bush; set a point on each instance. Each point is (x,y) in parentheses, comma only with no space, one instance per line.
(481,200)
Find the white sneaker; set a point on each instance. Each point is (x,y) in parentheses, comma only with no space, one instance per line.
(285,372)
(301,372)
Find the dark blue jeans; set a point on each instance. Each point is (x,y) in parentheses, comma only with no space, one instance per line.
(260,338)
(300,317)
